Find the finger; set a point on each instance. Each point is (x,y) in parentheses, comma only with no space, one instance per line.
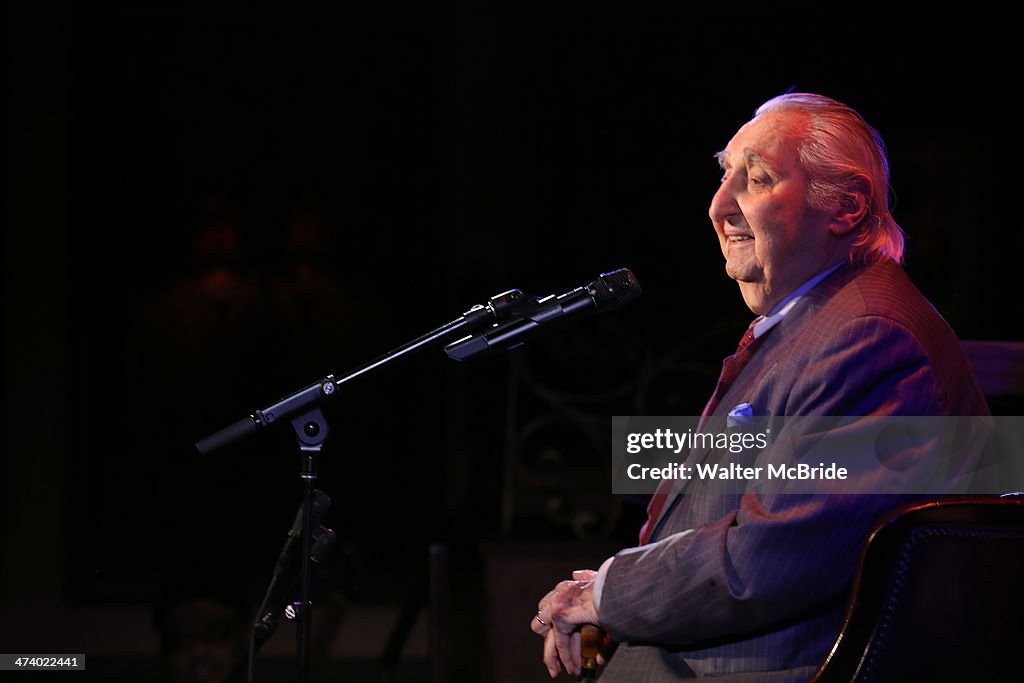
(584,575)
(577,652)
(542,625)
(551,655)
(544,602)
(547,600)
(563,646)
(539,624)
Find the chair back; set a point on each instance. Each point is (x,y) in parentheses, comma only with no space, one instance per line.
(938,596)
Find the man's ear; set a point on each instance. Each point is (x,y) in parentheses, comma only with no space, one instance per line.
(852,207)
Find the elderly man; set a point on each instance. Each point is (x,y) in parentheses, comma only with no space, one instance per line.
(751,585)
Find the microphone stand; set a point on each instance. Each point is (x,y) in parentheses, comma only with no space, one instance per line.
(308,422)
(302,407)
(311,430)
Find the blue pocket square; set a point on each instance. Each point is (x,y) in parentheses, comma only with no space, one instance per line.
(740,415)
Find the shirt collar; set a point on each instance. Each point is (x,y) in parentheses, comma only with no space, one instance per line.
(779,311)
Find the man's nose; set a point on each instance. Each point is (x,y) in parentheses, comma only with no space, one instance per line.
(723,203)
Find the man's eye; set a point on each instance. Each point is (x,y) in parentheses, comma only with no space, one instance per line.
(758,180)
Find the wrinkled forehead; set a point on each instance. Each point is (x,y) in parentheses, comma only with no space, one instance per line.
(772,138)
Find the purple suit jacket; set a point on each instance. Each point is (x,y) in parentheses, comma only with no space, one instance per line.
(752,585)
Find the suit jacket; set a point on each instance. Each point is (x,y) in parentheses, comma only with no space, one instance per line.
(752,585)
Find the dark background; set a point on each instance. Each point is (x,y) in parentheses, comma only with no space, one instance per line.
(421,159)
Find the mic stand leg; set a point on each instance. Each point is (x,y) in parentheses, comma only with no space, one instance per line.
(311,431)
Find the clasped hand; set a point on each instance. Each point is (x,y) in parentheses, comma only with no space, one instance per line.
(560,614)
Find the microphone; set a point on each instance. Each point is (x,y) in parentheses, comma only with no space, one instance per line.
(608,292)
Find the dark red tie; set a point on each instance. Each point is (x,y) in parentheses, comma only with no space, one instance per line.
(731,368)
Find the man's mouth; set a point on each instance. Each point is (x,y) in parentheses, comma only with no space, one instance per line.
(740,238)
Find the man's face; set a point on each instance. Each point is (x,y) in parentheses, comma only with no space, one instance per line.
(772,239)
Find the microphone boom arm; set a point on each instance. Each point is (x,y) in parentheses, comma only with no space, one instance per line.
(497,307)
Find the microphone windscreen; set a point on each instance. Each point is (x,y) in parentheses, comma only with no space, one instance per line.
(615,289)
